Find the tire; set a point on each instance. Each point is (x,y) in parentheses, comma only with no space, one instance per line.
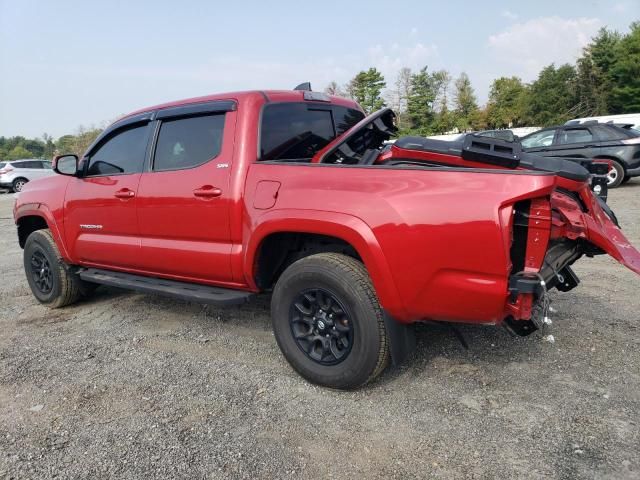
(324,285)
(51,282)
(616,175)
(18,184)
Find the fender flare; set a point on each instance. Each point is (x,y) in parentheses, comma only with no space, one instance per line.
(348,228)
(42,211)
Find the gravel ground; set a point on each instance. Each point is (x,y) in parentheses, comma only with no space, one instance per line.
(135,386)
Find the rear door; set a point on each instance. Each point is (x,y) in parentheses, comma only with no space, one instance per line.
(101,223)
(31,169)
(183,198)
(578,141)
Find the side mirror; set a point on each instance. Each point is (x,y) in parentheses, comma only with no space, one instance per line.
(65,164)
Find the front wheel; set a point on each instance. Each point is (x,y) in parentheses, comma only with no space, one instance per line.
(51,282)
(328,322)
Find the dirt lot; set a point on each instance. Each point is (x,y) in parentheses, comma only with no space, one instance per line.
(137,386)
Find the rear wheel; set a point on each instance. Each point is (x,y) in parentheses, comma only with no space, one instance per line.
(615,176)
(328,322)
(51,282)
(18,184)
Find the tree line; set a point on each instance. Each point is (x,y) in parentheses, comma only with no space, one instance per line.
(14,148)
(604,80)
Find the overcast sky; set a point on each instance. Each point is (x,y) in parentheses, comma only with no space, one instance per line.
(66,63)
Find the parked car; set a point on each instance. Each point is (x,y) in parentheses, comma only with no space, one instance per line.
(15,174)
(217,198)
(612,142)
(632,119)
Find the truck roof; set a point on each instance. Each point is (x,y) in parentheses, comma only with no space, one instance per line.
(268,95)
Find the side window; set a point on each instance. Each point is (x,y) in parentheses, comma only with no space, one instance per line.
(121,153)
(188,142)
(539,139)
(574,135)
(34,164)
(46,165)
(19,165)
(294,131)
(609,133)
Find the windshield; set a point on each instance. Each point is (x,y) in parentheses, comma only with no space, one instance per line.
(296,131)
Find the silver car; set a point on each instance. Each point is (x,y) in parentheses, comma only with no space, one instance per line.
(15,174)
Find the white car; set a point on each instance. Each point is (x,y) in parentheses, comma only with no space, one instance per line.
(632,119)
(15,174)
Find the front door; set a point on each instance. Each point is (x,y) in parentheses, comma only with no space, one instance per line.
(101,224)
(183,198)
(539,142)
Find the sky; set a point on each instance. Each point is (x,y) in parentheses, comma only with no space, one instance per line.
(64,64)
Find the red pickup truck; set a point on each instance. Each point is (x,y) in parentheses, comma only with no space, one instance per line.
(214,199)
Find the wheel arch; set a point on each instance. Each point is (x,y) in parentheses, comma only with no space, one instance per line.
(622,163)
(30,217)
(336,230)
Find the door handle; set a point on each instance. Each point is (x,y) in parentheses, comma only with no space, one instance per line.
(124,193)
(207,191)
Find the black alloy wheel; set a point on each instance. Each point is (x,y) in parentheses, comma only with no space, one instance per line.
(321,326)
(41,272)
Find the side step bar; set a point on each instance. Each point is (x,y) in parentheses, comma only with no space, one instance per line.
(170,288)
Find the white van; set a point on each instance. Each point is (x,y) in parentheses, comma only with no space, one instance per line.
(625,118)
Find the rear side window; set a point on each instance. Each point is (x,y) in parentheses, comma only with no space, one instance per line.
(188,142)
(574,135)
(293,131)
(121,153)
(2,164)
(613,133)
(345,118)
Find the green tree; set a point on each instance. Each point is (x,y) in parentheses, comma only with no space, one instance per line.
(366,88)
(18,152)
(601,49)
(552,98)
(49,146)
(464,100)
(420,102)
(79,142)
(506,104)
(625,73)
(593,81)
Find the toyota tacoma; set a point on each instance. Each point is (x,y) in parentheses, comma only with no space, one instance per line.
(297,193)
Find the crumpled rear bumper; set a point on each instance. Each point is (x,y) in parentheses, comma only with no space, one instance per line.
(604,233)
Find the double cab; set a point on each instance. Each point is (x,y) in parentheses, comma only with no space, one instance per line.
(297,193)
